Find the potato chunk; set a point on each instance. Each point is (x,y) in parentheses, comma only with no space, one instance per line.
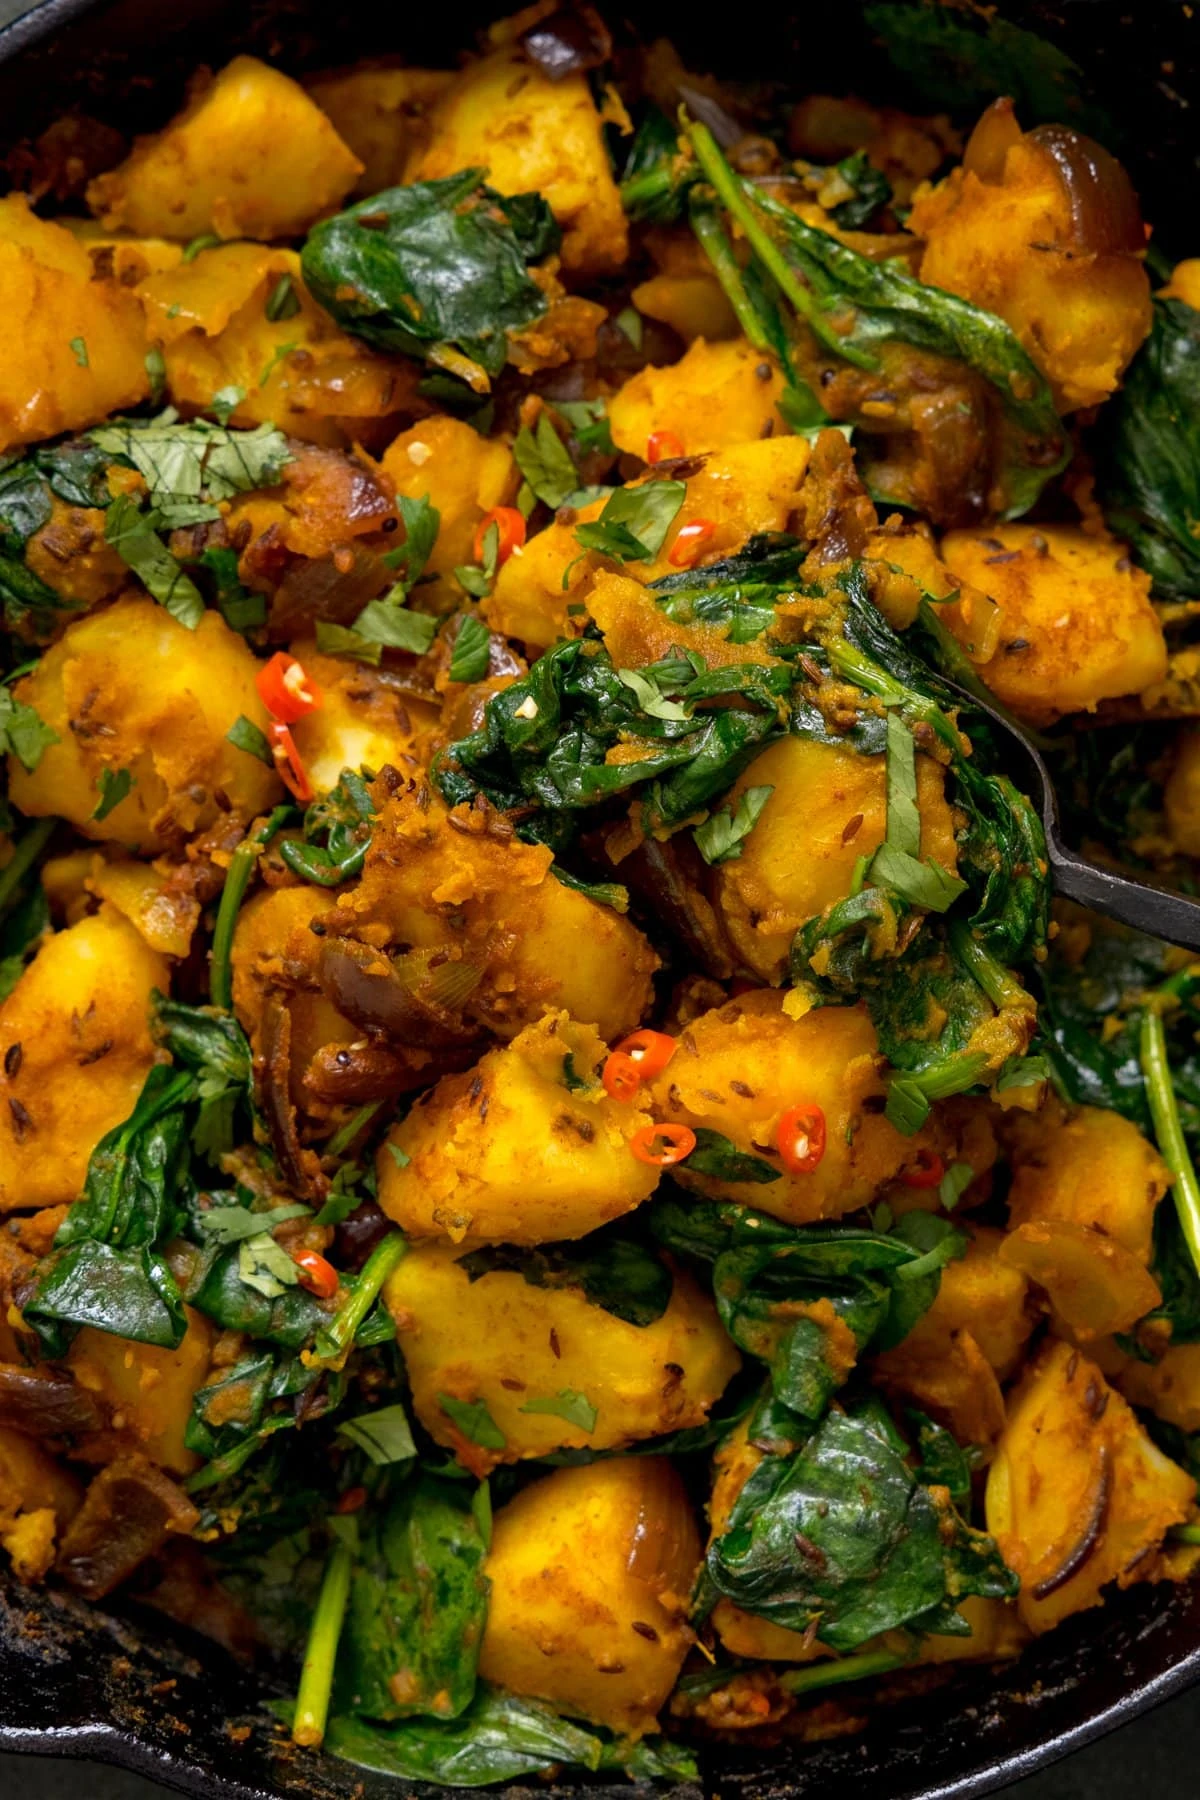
(148,1390)
(1170,1388)
(511,1152)
(1087,1166)
(361,723)
(1077,1496)
(971,1339)
(131,688)
(513,1344)
(464,475)
(1003,232)
(742,489)
(382,115)
(1075,623)
(77,344)
(250,155)
(75,1047)
(37,1498)
(591,1570)
(70,554)
(833,802)
(714,396)
(300,372)
(535,135)
(830,1058)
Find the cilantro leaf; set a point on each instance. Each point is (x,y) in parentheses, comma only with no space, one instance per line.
(340,640)
(266,1266)
(474,1421)
(635,521)
(231,1224)
(393,625)
(924,884)
(114,785)
(197,460)
(23,732)
(385,1436)
(245,735)
(570,1405)
(720,838)
(131,533)
(545,462)
(903,813)
(472,644)
(282,302)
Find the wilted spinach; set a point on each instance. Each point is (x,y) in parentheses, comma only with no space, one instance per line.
(612,1272)
(337,834)
(437,270)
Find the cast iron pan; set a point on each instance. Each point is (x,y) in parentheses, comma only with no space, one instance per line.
(128,1688)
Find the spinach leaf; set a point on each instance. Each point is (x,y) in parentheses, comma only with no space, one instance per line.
(76,471)
(807,1300)
(717,1157)
(1148,453)
(615,1273)
(212,1045)
(105,1268)
(943,1461)
(499,1738)
(658,171)
(289,1318)
(433,269)
(418,1603)
(844,1534)
(878,306)
(343,820)
(25,506)
(872,191)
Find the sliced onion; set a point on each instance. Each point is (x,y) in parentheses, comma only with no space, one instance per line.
(300,1168)
(42,1404)
(991,141)
(129,1510)
(1105,214)
(568,42)
(411,1001)
(664,1548)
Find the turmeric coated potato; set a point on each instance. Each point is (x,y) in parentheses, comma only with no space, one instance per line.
(1169,1388)
(298,371)
(532,135)
(131,688)
(382,116)
(148,1391)
(519,1346)
(75,1048)
(250,156)
(361,723)
(37,1498)
(832,801)
(77,343)
(742,489)
(714,396)
(439,880)
(1089,1167)
(1006,232)
(515,1150)
(1077,1496)
(71,555)
(1075,623)
(464,475)
(591,1570)
(740,1068)
(684,293)
(952,1362)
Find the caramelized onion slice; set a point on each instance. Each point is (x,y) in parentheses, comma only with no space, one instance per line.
(43,1404)
(664,1549)
(568,42)
(129,1510)
(991,141)
(413,1000)
(1105,213)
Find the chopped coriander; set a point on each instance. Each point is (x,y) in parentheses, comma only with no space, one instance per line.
(630,324)
(570,1405)
(545,462)
(340,640)
(635,521)
(226,401)
(277,356)
(384,1436)
(393,625)
(131,534)
(474,1421)
(720,838)
(266,1266)
(156,369)
(80,349)
(245,735)
(114,785)
(23,732)
(400,1157)
(283,302)
(472,644)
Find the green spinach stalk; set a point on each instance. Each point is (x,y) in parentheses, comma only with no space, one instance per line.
(360,1296)
(320,1655)
(241,867)
(1168,1128)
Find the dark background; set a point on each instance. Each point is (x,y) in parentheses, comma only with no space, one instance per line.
(1157,1756)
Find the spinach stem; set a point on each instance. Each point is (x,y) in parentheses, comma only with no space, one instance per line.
(844,1668)
(1168,1129)
(338,1335)
(1185,1534)
(716,246)
(846,660)
(320,1654)
(237,880)
(26,851)
(998,983)
(731,192)
(343,1138)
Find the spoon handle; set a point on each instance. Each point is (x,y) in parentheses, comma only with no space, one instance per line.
(1158,912)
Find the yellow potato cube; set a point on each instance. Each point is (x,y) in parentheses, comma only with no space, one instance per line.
(132,688)
(1077,1496)
(1075,621)
(1169,1388)
(464,475)
(513,1344)
(714,396)
(77,343)
(147,1390)
(382,115)
(75,1048)
(361,723)
(1086,1166)
(511,1152)
(740,1068)
(532,135)
(250,155)
(834,802)
(591,1570)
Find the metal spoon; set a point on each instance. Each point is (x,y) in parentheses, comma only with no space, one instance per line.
(1157,911)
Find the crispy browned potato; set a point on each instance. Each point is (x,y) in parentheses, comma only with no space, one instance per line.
(532,135)
(1077,1496)
(834,802)
(1006,232)
(591,1570)
(250,155)
(739,1068)
(77,342)
(131,688)
(75,1049)
(515,1151)
(1073,623)
(520,1347)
